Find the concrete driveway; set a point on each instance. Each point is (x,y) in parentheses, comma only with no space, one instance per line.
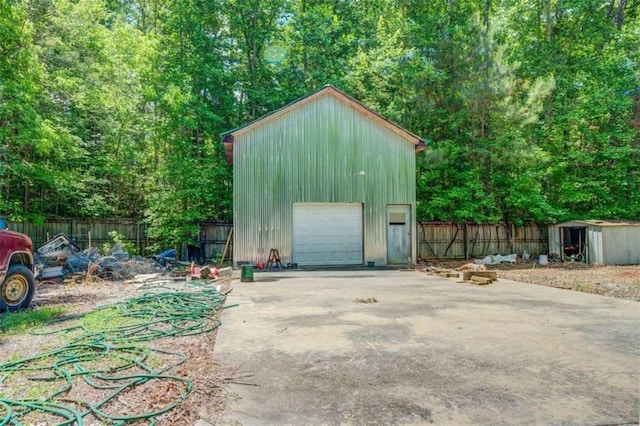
(429,351)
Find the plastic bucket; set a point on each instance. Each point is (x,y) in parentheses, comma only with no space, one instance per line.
(543,259)
(246,274)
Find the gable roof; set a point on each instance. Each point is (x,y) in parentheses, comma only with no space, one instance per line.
(229,137)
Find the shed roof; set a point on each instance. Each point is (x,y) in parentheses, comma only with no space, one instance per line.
(329,90)
(593,222)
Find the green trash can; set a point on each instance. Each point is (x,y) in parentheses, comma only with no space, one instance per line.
(246,274)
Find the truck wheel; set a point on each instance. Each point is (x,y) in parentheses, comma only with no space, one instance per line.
(18,288)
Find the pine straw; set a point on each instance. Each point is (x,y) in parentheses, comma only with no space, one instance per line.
(210,392)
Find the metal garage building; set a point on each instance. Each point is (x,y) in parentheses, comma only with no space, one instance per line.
(597,242)
(325,181)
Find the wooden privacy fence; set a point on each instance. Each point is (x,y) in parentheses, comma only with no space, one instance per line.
(436,240)
(95,233)
(449,240)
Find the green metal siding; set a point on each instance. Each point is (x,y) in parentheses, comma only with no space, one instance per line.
(315,153)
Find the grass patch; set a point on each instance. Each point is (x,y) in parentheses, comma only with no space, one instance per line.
(21,321)
(106,319)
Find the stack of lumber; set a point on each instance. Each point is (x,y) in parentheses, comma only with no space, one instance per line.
(447,273)
(479,277)
(470,274)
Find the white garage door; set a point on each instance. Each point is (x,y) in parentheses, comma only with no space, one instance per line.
(327,234)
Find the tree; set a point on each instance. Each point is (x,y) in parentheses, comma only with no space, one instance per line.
(588,127)
(477,107)
(25,135)
(115,107)
(193,101)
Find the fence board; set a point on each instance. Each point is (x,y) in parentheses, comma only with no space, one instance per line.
(443,240)
(448,240)
(533,238)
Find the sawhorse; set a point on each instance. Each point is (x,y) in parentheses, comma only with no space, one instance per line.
(274,258)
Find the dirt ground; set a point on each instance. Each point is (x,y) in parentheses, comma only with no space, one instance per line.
(209,377)
(209,395)
(622,282)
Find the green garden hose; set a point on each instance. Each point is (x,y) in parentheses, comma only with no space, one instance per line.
(109,358)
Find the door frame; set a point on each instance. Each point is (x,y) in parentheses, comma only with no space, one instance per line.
(406,208)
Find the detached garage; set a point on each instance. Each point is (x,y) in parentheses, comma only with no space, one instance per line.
(597,242)
(325,181)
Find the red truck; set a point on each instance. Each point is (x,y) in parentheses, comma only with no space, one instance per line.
(17,282)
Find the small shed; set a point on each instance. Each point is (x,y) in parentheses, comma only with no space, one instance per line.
(598,242)
(325,181)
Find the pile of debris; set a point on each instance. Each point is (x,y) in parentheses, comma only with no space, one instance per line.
(61,258)
(209,272)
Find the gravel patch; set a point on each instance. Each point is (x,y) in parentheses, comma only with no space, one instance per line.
(622,282)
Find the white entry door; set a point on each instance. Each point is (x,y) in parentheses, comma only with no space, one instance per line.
(399,234)
(327,234)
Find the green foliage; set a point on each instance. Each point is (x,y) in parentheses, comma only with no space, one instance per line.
(114,108)
(590,126)
(118,238)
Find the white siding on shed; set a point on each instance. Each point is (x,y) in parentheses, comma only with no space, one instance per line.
(594,241)
(327,234)
(621,245)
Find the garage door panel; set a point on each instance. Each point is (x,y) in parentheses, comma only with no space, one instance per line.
(327,234)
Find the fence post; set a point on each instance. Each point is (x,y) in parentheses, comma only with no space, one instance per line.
(139,247)
(466,240)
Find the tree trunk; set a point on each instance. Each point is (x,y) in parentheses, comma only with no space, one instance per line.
(620,14)
(487,9)
(547,14)
(25,197)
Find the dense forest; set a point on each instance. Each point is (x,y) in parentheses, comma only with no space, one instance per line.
(114,108)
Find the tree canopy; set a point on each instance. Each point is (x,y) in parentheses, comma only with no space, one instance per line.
(113,108)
